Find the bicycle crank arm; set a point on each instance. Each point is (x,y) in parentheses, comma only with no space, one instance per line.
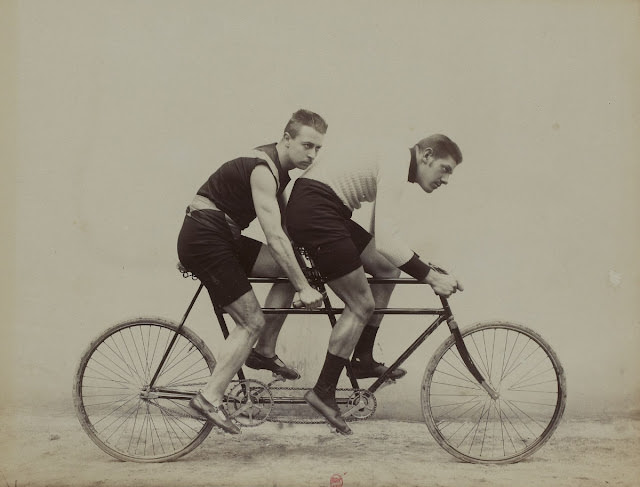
(351,410)
(241,410)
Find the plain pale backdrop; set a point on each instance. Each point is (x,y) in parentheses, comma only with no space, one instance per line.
(117,111)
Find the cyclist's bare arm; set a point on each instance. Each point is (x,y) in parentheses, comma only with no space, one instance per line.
(263,190)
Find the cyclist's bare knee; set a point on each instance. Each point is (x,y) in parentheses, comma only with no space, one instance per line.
(254,324)
(247,314)
(361,305)
(377,264)
(363,308)
(353,289)
(389,271)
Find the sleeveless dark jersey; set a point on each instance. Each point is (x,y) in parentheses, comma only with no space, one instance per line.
(230,188)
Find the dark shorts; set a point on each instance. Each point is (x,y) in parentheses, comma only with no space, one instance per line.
(317,219)
(207,248)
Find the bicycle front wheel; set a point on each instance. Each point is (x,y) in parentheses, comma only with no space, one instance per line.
(117,407)
(531,387)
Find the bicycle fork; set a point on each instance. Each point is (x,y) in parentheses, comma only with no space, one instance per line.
(464,352)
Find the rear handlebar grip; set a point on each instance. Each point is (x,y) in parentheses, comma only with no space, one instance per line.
(297,303)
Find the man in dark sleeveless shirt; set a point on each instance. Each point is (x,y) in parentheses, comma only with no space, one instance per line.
(211,246)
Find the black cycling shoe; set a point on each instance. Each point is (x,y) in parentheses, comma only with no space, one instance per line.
(274,364)
(366,369)
(331,414)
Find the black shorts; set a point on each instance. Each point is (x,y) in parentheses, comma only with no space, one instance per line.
(208,249)
(317,219)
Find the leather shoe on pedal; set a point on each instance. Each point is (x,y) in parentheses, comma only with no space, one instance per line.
(330,414)
(364,370)
(274,364)
(216,414)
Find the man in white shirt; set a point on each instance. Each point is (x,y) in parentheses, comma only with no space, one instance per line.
(318,217)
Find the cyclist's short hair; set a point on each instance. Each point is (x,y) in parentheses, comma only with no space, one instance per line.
(305,117)
(442,147)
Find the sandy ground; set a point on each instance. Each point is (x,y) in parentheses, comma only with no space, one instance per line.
(54,451)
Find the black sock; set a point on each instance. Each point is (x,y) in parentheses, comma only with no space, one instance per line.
(325,388)
(364,347)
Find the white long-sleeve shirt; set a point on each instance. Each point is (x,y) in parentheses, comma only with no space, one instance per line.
(381,179)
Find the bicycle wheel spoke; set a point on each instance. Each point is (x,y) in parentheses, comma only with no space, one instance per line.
(523,415)
(130,360)
(462,373)
(105,370)
(138,354)
(531,374)
(118,419)
(518,361)
(186,373)
(483,360)
(503,430)
(124,372)
(125,362)
(201,375)
(173,360)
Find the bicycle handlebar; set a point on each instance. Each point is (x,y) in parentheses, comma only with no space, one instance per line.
(443,300)
(297,304)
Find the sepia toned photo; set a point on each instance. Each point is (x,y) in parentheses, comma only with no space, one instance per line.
(293,243)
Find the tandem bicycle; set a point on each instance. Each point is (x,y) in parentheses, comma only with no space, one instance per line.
(492,393)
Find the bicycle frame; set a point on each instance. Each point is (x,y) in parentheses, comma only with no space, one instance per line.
(136,410)
(442,314)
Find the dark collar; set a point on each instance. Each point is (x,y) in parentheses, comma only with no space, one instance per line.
(413,166)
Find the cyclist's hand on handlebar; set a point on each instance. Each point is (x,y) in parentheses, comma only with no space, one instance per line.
(307,298)
(443,284)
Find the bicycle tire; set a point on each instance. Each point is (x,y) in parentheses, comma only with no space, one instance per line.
(521,366)
(109,390)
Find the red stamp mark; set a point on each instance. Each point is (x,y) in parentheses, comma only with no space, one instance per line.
(335,480)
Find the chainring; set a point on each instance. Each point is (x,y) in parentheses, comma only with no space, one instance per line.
(249,402)
(361,405)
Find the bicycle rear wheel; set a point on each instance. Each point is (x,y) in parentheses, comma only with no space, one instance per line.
(528,377)
(115,405)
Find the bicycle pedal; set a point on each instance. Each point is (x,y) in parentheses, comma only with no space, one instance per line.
(388,382)
(332,428)
(276,378)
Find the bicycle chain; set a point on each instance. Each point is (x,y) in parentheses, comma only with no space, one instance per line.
(288,420)
(275,419)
